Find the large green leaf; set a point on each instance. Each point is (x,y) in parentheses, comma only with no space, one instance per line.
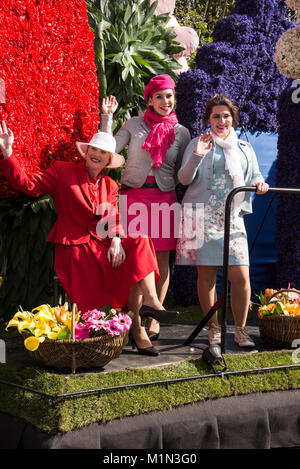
(132,44)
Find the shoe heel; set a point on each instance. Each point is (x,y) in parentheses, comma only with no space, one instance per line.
(132,342)
(154,337)
(150,351)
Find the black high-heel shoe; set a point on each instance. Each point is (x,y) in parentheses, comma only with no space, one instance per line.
(154,337)
(160,315)
(150,351)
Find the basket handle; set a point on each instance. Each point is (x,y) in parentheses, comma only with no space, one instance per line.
(73,323)
(282,291)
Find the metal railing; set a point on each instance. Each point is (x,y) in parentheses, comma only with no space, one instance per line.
(222,302)
(228,202)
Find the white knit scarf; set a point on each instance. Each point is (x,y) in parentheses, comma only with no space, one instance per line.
(232,163)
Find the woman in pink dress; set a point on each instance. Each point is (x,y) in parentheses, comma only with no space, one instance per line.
(156,143)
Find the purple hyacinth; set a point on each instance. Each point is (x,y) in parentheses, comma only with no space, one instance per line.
(238,63)
(288,175)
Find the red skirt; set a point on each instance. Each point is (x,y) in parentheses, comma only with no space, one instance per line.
(91,282)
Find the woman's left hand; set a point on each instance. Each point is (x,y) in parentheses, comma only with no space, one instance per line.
(261,187)
(116,254)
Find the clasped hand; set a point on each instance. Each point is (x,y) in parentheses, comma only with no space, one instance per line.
(6,140)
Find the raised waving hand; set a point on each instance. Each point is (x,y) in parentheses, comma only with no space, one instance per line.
(109,105)
(203,144)
(6,140)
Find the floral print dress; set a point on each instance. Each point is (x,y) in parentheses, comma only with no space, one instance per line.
(201,238)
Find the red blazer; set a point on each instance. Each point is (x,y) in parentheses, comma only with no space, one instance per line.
(67,184)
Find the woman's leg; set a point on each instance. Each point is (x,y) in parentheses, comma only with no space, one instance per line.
(143,291)
(240,293)
(206,288)
(164,270)
(161,286)
(240,299)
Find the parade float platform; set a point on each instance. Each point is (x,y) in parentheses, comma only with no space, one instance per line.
(174,401)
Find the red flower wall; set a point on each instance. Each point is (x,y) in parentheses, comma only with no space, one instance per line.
(47,64)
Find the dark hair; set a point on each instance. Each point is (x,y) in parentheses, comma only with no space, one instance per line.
(221,100)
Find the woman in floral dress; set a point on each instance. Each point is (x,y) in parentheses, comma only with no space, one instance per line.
(213,164)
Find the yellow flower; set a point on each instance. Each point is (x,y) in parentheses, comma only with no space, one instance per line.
(25,325)
(45,313)
(43,321)
(41,329)
(19,319)
(52,335)
(24,315)
(32,343)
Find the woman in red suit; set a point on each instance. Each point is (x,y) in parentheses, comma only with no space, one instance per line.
(95,265)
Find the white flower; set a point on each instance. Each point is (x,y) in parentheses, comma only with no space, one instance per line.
(287,53)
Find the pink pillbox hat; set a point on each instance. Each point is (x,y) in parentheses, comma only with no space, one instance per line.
(160,82)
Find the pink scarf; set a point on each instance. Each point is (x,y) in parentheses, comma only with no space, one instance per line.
(161,135)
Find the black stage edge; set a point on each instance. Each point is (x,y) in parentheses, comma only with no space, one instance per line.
(256,421)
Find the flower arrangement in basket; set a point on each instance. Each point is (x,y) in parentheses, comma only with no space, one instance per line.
(61,338)
(279,316)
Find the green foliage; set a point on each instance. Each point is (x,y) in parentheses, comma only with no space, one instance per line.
(26,260)
(131,44)
(202,15)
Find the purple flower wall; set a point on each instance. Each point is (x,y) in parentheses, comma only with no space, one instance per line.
(240,64)
(288,175)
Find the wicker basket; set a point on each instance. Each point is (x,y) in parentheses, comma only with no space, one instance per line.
(79,353)
(281,330)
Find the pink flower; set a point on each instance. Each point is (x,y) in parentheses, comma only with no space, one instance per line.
(122,322)
(81,331)
(93,314)
(110,329)
(95,324)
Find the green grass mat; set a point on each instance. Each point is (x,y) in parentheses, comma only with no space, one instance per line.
(69,413)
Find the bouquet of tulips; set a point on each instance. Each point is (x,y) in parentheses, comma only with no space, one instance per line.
(55,323)
(282,302)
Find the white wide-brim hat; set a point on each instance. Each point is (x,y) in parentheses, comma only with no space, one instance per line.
(106,142)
